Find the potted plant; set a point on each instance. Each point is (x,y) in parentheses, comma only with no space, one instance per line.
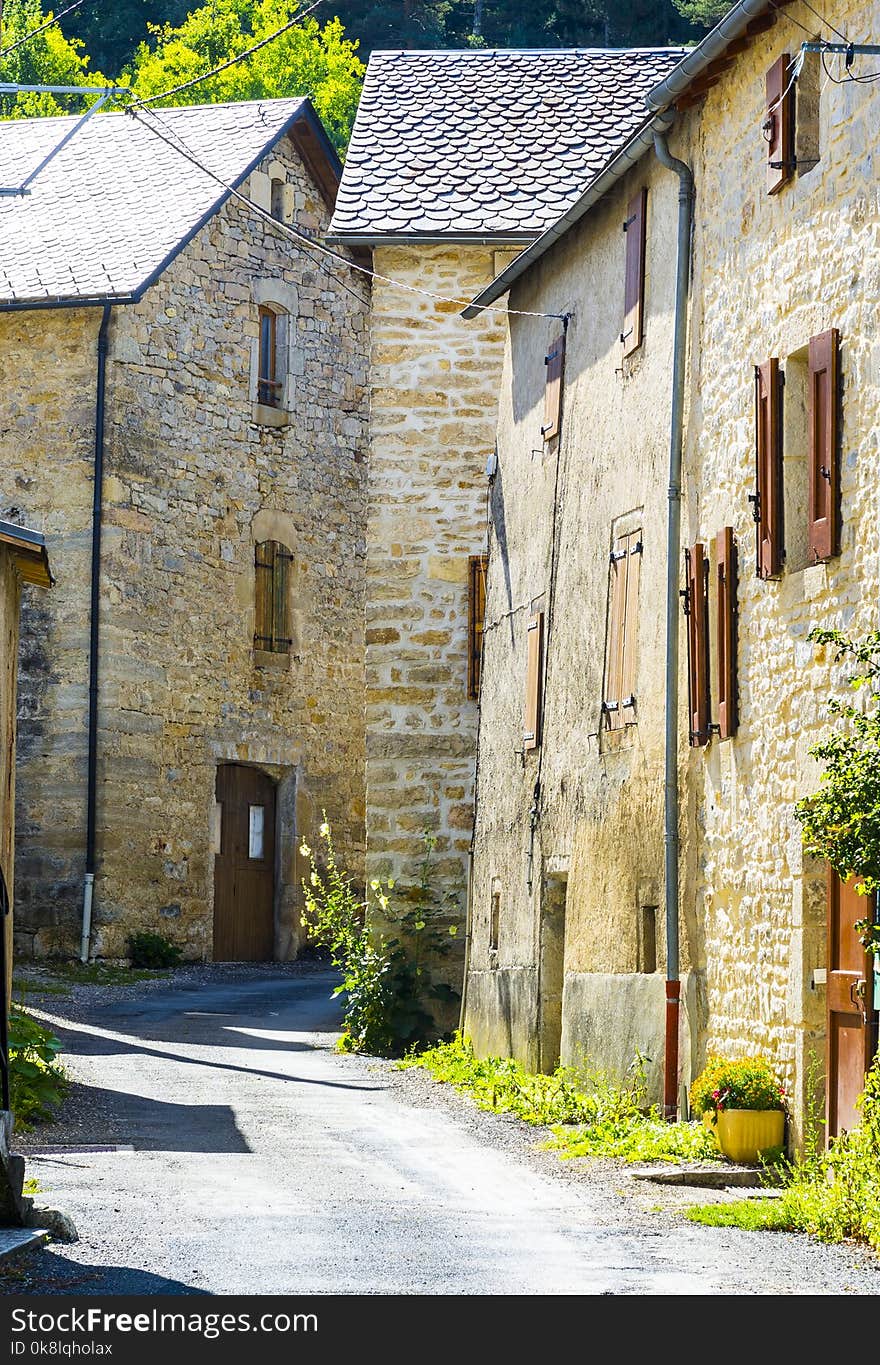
(743,1101)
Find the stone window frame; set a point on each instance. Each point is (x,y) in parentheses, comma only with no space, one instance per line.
(280,299)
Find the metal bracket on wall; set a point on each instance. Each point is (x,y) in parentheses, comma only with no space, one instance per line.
(10,88)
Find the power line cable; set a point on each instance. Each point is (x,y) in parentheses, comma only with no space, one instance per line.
(55,18)
(826,22)
(224,66)
(301,237)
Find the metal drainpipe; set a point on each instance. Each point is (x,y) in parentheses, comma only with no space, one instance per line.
(673,550)
(97,498)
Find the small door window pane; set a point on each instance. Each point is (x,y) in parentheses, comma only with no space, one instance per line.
(255,831)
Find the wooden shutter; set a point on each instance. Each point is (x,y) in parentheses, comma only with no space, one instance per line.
(271,597)
(534,662)
(554,360)
(696,605)
(619,700)
(823,405)
(768,458)
(779,125)
(477,565)
(634,289)
(726,622)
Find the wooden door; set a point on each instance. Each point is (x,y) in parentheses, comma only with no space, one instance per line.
(852,1018)
(244,866)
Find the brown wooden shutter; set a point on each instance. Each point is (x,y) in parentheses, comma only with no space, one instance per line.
(477,565)
(823,407)
(555,362)
(272,597)
(634,290)
(534,662)
(726,618)
(619,700)
(779,125)
(281,600)
(697,609)
(768,457)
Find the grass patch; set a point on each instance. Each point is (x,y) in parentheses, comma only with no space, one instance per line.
(754,1215)
(61,976)
(588,1113)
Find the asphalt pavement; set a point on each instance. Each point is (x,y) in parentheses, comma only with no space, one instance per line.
(215,1143)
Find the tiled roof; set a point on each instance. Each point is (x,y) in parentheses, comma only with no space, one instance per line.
(116,204)
(468,143)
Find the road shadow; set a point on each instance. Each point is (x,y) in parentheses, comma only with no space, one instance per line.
(152,1125)
(49,1272)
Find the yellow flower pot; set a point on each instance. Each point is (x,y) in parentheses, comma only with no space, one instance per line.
(743,1134)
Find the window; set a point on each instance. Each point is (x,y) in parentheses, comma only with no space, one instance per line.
(696,607)
(725,625)
(767,498)
(647,938)
(619,700)
(277,199)
(256,818)
(476,615)
(495,915)
(269,385)
(554,361)
(634,288)
(534,664)
(272,606)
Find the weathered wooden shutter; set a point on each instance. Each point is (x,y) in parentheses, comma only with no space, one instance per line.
(534,664)
(696,605)
(779,125)
(619,700)
(823,407)
(477,565)
(554,360)
(634,289)
(271,597)
(768,458)
(726,623)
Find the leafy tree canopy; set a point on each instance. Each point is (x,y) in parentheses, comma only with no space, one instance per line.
(307,60)
(703,12)
(48,59)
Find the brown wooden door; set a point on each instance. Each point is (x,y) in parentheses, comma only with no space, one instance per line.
(852,1018)
(244,867)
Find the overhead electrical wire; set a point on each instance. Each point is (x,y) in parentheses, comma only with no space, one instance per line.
(224,66)
(313,245)
(55,18)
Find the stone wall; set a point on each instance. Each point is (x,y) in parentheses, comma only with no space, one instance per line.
(569,836)
(772,271)
(434,383)
(9,609)
(195,474)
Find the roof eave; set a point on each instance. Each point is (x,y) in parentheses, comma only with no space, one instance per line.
(29,553)
(714,45)
(372,239)
(64,301)
(613,171)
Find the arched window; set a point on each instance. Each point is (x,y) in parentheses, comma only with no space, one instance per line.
(269,382)
(272,594)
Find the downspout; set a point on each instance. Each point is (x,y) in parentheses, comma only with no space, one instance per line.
(97,498)
(673,551)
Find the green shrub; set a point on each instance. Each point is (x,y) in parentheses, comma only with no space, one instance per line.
(388,982)
(589,1113)
(736,1083)
(149,949)
(37,1082)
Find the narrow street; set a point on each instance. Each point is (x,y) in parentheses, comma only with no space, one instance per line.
(215,1143)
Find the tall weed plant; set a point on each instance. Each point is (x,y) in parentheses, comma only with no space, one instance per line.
(389,981)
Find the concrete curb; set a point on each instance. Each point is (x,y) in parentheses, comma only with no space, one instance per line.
(15,1242)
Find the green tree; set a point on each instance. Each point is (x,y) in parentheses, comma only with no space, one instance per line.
(706,13)
(112,31)
(841,819)
(307,60)
(48,59)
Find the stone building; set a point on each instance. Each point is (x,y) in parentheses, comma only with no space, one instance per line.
(572,916)
(183,416)
(457,160)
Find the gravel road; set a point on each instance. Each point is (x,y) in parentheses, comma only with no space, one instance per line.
(213,1142)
